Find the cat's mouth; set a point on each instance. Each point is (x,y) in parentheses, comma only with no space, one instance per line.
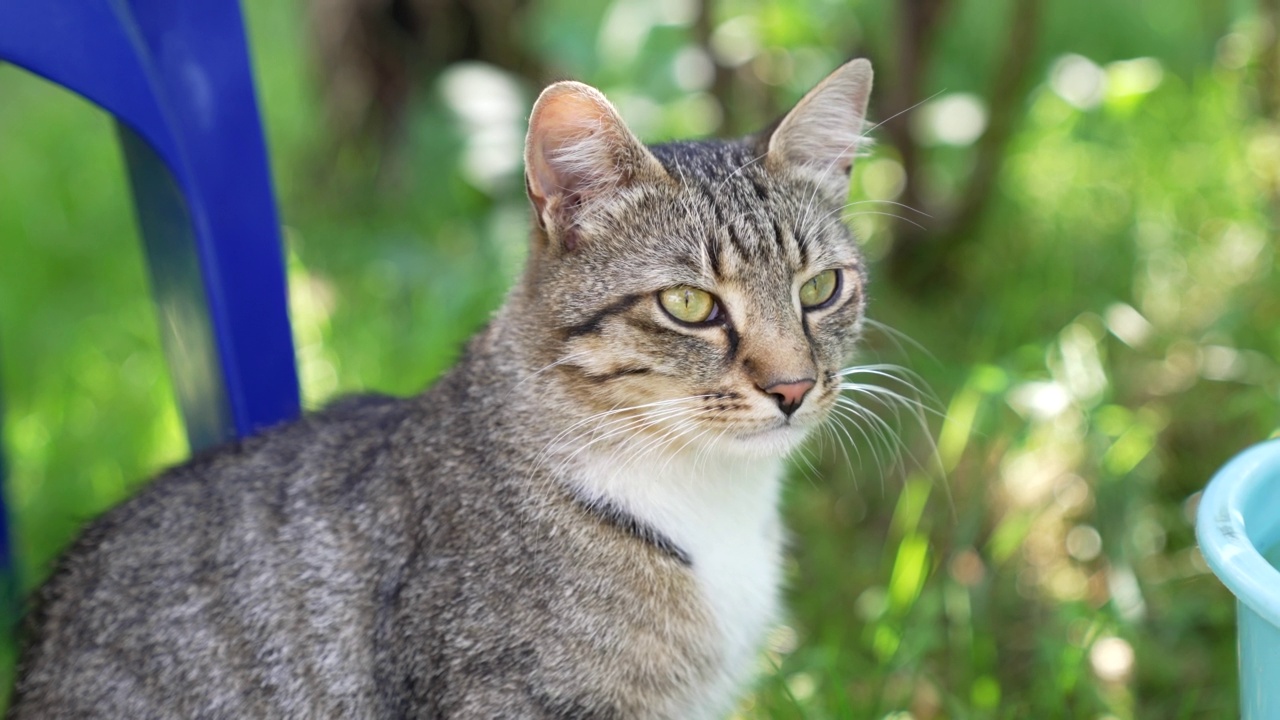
(777,437)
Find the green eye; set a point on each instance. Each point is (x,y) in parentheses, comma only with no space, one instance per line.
(819,288)
(688,304)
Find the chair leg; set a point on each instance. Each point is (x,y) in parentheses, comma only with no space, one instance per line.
(186,328)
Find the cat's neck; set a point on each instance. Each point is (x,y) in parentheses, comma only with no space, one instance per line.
(705,506)
(719,515)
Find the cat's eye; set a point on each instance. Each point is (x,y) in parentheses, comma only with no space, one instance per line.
(819,289)
(689,304)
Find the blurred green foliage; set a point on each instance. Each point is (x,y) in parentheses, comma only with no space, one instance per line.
(1105,340)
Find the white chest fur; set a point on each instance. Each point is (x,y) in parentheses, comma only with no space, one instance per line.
(723,513)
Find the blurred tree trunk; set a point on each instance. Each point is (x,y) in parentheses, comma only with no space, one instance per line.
(722,84)
(1269,60)
(917,27)
(745,102)
(919,255)
(374,55)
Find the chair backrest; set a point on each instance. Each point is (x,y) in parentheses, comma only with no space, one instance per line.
(176,76)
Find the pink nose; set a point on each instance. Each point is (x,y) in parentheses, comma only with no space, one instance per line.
(789,394)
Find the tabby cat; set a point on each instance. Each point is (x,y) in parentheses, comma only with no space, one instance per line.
(579,520)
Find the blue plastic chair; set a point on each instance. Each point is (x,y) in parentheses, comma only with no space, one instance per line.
(1238,527)
(176,76)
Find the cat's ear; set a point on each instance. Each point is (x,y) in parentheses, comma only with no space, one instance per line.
(824,131)
(579,150)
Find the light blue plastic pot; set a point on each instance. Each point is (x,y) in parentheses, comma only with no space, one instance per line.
(1238,524)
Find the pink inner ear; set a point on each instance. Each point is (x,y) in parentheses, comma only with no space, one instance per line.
(572,138)
(578,148)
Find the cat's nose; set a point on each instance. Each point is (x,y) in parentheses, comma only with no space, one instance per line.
(789,394)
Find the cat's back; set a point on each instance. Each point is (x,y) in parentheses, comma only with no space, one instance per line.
(237,576)
(380,559)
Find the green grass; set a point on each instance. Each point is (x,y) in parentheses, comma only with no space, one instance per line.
(998,571)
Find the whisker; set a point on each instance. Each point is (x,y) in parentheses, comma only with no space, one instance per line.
(882,429)
(703,453)
(668,437)
(896,336)
(663,406)
(812,473)
(828,431)
(882,426)
(888,202)
(567,358)
(884,395)
(899,444)
(873,128)
(616,410)
(636,425)
(853,419)
(861,139)
(889,214)
(680,449)
(895,373)
(836,216)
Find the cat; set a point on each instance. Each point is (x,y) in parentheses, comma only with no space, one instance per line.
(579,520)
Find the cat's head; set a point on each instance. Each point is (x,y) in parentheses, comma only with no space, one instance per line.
(694,294)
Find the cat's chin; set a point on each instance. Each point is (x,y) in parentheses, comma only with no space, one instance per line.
(768,443)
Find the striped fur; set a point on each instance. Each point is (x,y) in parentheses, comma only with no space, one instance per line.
(577,521)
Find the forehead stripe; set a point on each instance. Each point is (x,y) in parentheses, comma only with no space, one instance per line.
(803,244)
(778,239)
(592,324)
(736,241)
(712,244)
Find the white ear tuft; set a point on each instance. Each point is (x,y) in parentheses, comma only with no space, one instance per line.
(824,132)
(578,149)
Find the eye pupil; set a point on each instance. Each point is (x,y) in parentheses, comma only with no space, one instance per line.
(819,289)
(688,304)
